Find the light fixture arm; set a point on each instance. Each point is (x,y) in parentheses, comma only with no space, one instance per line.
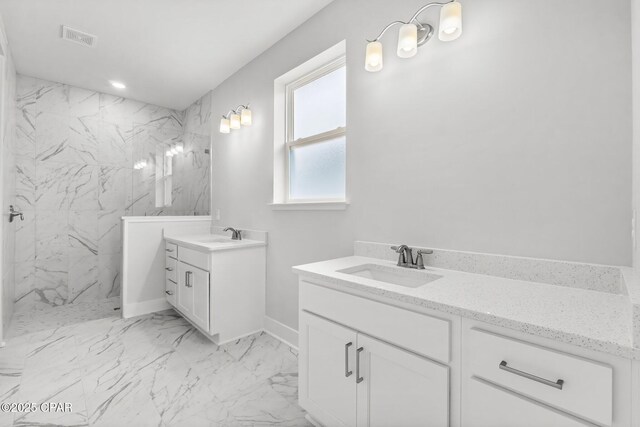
(241,107)
(413,19)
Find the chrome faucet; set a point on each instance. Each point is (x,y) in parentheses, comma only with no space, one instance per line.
(14,213)
(405,257)
(237,234)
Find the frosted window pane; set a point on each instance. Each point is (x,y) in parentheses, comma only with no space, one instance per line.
(320,106)
(317,171)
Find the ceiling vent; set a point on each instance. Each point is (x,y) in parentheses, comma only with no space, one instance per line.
(79,37)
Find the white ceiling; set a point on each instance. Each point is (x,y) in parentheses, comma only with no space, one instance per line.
(167,52)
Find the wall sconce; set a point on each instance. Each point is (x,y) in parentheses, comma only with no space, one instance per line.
(140,164)
(235,119)
(414,34)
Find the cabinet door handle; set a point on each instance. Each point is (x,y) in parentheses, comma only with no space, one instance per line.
(169,250)
(347,372)
(558,384)
(168,268)
(168,292)
(359,379)
(187,279)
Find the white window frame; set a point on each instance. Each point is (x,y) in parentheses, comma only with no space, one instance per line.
(284,86)
(292,144)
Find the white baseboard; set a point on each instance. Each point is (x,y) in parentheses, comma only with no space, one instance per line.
(145,307)
(287,335)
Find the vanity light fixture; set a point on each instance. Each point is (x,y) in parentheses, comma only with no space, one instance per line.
(236,118)
(234,121)
(414,33)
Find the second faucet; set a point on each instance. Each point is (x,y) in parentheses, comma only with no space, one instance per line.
(405,257)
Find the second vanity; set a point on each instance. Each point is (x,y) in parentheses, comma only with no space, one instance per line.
(385,345)
(217,283)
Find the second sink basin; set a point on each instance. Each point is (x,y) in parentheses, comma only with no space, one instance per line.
(215,239)
(395,276)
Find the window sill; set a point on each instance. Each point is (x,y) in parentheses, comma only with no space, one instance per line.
(310,206)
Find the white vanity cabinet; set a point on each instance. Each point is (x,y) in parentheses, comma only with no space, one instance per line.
(221,292)
(365,362)
(349,378)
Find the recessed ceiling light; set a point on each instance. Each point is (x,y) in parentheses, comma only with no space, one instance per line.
(118,85)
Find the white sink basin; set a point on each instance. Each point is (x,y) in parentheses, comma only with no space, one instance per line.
(215,239)
(394,275)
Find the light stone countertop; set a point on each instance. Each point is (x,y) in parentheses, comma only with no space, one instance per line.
(211,242)
(594,320)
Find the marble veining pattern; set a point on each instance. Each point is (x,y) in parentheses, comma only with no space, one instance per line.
(154,370)
(74,156)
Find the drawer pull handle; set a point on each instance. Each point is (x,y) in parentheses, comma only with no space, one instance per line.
(169,250)
(347,372)
(168,292)
(359,379)
(557,384)
(168,268)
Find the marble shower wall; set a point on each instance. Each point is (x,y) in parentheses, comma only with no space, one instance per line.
(8,141)
(75,180)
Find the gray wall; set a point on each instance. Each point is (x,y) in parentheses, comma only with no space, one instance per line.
(514,139)
(635,34)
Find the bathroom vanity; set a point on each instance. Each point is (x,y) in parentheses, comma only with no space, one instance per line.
(385,345)
(216,283)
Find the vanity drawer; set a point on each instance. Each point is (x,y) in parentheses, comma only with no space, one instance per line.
(170,291)
(194,258)
(171,250)
(420,333)
(533,371)
(171,267)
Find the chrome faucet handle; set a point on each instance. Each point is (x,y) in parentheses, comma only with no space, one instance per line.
(420,260)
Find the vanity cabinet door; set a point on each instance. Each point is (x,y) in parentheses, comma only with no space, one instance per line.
(193,294)
(199,280)
(327,371)
(185,292)
(400,388)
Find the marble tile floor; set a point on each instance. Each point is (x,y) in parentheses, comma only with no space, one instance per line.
(153,370)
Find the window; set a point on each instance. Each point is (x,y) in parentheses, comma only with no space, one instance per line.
(316,124)
(310,148)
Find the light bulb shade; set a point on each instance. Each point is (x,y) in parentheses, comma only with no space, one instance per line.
(174,149)
(245,117)
(143,164)
(450,22)
(234,121)
(373,59)
(407,41)
(225,126)
(180,147)
(169,153)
